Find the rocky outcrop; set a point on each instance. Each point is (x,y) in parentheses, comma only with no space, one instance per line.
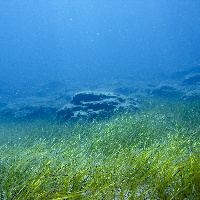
(192,79)
(166,91)
(191,95)
(30,108)
(181,74)
(66,100)
(28,111)
(90,105)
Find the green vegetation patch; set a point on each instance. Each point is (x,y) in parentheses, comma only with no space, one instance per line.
(153,153)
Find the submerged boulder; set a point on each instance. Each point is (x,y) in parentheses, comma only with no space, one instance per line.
(90,105)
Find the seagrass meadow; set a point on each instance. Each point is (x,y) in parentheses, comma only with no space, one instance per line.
(152,153)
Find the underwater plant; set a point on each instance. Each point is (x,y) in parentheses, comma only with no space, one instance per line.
(153,153)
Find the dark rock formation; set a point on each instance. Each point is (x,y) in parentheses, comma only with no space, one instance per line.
(35,111)
(27,111)
(90,105)
(57,99)
(181,74)
(191,95)
(192,79)
(166,91)
(7,112)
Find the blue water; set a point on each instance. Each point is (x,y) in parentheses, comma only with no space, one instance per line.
(88,39)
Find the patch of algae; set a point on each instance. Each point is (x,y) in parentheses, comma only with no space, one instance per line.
(153,153)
